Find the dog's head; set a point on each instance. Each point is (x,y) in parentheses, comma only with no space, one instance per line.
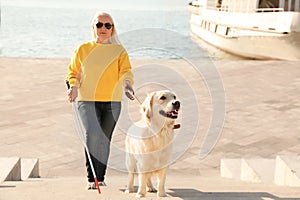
(161,104)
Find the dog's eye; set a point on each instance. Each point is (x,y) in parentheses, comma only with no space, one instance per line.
(163,98)
(174,97)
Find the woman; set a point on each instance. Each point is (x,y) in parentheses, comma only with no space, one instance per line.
(97,74)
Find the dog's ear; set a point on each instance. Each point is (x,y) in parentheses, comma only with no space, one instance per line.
(147,106)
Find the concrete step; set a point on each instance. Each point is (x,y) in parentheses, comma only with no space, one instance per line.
(258,170)
(248,169)
(10,169)
(287,171)
(283,171)
(30,168)
(231,168)
(17,169)
(179,186)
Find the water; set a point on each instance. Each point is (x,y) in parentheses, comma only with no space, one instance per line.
(55,32)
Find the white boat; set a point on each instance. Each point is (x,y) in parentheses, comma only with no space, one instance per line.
(259,29)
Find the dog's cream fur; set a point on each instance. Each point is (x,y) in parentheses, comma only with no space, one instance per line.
(149,142)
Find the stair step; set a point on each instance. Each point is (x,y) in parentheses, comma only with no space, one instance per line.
(258,170)
(231,168)
(30,168)
(283,171)
(287,171)
(17,169)
(248,173)
(10,169)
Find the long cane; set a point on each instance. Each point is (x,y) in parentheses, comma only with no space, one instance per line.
(81,130)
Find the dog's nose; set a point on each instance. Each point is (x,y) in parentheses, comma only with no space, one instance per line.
(176,105)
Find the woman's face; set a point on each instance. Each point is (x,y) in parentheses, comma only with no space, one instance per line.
(103,28)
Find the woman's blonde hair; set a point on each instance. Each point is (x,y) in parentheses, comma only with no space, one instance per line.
(114,39)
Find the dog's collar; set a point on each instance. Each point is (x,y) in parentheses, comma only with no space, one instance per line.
(176,126)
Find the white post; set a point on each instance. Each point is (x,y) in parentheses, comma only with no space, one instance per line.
(248,6)
(241,6)
(257,4)
(297,5)
(281,4)
(234,5)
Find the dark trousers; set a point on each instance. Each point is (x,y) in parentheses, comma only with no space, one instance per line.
(99,120)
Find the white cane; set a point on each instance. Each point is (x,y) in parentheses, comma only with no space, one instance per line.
(81,131)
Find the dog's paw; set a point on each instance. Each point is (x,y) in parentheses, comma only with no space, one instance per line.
(161,194)
(139,195)
(127,191)
(151,189)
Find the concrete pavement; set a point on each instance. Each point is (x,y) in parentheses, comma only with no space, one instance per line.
(262,121)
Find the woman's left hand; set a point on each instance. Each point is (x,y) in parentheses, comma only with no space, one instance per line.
(128,90)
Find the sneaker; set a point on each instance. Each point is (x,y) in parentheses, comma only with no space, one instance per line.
(91,186)
(102,183)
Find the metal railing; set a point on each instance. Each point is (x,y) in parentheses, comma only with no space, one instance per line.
(269,10)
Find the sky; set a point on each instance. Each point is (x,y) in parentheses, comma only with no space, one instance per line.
(104,4)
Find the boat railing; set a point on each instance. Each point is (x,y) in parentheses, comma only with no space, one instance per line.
(269,10)
(226,9)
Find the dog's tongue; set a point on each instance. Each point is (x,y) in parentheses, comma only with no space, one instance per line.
(173,113)
(170,114)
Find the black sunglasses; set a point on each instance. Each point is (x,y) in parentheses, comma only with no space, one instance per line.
(106,25)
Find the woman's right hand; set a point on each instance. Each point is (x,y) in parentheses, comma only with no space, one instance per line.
(72,94)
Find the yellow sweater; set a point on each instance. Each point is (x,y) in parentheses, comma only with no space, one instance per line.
(99,71)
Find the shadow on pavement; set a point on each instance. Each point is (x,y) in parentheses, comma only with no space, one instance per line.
(192,194)
(7,186)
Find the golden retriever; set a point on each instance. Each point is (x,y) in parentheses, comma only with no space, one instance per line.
(149,142)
